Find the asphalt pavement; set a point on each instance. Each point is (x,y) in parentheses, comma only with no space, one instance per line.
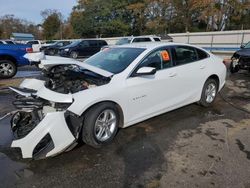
(188,147)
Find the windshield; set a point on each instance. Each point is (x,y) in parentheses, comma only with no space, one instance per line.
(75,43)
(247,45)
(114,60)
(123,41)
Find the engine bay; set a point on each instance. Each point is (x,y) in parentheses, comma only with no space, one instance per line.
(71,79)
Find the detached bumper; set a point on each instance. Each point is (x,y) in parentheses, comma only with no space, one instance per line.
(53,130)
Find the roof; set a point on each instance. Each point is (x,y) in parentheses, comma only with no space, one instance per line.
(152,45)
(22,36)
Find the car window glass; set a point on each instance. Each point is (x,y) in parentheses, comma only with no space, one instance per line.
(103,43)
(9,42)
(32,42)
(123,41)
(84,44)
(60,44)
(114,60)
(157,39)
(1,42)
(159,59)
(201,54)
(184,55)
(247,45)
(93,43)
(141,40)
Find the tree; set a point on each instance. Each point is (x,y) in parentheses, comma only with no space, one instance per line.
(100,18)
(10,24)
(52,24)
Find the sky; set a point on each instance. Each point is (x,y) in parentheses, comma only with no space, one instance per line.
(31,9)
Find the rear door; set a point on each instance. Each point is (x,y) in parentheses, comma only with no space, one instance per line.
(83,49)
(190,73)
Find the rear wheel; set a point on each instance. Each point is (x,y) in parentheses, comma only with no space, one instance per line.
(100,124)
(209,92)
(8,69)
(74,55)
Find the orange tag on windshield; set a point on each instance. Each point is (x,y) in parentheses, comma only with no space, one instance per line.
(165,56)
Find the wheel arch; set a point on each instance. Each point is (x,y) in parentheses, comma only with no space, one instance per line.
(120,111)
(216,78)
(8,57)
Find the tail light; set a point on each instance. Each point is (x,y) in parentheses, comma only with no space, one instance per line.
(29,50)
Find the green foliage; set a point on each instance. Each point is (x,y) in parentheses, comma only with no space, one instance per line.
(52,24)
(10,24)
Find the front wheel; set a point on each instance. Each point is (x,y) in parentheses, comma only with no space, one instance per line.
(100,124)
(8,69)
(74,55)
(209,92)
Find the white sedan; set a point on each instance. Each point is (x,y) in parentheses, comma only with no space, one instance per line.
(115,88)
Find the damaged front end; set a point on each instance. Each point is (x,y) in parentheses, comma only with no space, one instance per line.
(42,126)
(39,127)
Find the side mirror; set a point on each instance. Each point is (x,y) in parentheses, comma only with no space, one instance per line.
(242,46)
(143,71)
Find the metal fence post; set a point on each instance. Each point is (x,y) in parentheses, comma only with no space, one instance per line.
(212,41)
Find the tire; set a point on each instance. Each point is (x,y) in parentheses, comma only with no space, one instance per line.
(74,55)
(98,130)
(210,88)
(234,69)
(51,52)
(8,69)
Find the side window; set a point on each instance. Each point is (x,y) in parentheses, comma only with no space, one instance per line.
(93,43)
(201,54)
(84,44)
(142,40)
(159,59)
(1,42)
(184,54)
(157,39)
(102,43)
(33,42)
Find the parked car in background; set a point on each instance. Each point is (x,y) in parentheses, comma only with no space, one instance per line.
(241,59)
(11,57)
(7,42)
(36,45)
(113,89)
(130,40)
(53,49)
(82,48)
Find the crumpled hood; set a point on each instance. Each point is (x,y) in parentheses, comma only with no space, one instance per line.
(49,61)
(242,52)
(41,91)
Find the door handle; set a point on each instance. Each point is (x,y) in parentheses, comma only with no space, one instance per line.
(172,74)
(202,66)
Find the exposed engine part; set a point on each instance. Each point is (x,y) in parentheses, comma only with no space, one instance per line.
(71,79)
(28,103)
(31,111)
(23,122)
